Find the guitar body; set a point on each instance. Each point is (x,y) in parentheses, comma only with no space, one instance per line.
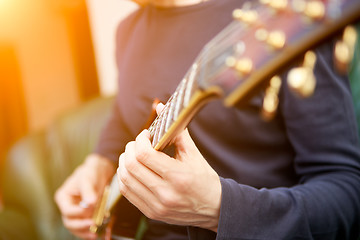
(125,219)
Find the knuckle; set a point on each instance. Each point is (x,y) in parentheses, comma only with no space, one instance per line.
(124,190)
(124,177)
(130,164)
(142,154)
(122,187)
(182,183)
(168,201)
(159,212)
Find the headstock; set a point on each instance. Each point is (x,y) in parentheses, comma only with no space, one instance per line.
(264,38)
(267,36)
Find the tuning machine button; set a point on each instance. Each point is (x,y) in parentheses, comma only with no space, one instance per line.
(275,39)
(245,15)
(313,9)
(271,99)
(344,49)
(243,66)
(277,5)
(301,80)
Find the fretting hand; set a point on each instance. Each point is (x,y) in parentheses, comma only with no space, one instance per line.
(183,190)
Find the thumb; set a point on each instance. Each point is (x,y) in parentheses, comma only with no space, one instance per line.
(183,142)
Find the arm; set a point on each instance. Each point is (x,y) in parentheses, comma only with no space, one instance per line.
(87,182)
(324,204)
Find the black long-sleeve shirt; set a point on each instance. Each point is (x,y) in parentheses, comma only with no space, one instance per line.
(296,177)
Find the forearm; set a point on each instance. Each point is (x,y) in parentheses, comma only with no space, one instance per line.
(113,137)
(324,207)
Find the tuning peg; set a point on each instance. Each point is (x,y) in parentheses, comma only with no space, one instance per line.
(313,9)
(245,15)
(275,39)
(271,99)
(243,66)
(301,80)
(276,4)
(344,49)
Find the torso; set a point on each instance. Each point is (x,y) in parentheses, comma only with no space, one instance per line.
(234,142)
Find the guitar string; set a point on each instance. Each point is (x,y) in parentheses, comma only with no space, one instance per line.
(186,86)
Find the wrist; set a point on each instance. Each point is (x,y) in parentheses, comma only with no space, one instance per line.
(216,204)
(212,211)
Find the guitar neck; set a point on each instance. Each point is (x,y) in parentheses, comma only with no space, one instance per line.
(177,113)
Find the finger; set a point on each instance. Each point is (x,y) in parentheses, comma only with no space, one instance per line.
(138,194)
(183,141)
(68,205)
(156,161)
(128,164)
(159,108)
(88,191)
(78,224)
(131,183)
(80,227)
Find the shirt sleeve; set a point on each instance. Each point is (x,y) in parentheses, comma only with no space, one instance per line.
(325,204)
(113,137)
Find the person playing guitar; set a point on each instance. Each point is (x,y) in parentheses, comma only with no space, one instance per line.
(230,174)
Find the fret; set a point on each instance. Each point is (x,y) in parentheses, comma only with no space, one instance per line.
(169,119)
(154,129)
(179,100)
(174,105)
(163,115)
(162,120)
(190,84)
(151,128)
(203,68)
(155,139)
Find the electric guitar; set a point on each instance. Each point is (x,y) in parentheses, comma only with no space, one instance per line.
(243,59)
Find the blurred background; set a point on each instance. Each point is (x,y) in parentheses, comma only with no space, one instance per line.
(54,55)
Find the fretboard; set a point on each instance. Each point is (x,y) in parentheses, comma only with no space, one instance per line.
(174,106)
